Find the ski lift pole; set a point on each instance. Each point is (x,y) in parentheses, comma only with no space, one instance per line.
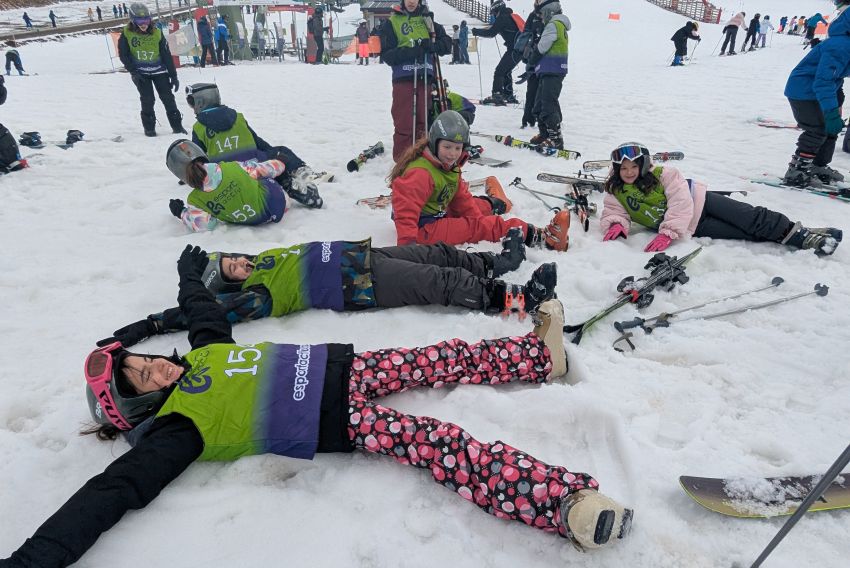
(813,496)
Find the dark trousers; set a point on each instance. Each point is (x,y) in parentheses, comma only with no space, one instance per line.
(528,115)
(402,112)
(725,218)
(13,58)
(208,48)
(146,84)
(223,52)
(320,48)
(418,275)
(290,161)
(731,36)
(547,106)
(681,47)
(502,80)
(751,37)
(814,140)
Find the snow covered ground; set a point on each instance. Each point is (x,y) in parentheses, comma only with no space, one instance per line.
(90,246)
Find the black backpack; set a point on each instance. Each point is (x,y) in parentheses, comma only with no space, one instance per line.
(10,157)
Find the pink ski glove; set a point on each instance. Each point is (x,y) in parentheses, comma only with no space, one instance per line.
(615,231)
(658,244)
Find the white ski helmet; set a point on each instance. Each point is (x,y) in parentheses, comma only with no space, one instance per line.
(201,96)
(634,152)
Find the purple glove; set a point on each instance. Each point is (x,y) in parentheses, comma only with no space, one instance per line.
(658,244)
(615,231)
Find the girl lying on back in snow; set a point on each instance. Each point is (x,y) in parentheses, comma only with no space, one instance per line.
(661,199)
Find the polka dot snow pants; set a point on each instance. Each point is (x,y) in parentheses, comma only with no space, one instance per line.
(500,479)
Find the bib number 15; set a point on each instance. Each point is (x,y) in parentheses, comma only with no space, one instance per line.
(247,355)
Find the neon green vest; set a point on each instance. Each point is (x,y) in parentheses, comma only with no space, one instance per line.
(238,199)
(647,209)
(445,187)
(229,144)
(284,279)
(144,48)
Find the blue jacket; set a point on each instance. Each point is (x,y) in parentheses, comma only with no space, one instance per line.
(815,20)
(204,31)
(463,36)
(221,32)
(821,73)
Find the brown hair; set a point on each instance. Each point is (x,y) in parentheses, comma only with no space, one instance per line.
(104,432)
(646,183)
(409,155)
(196,173)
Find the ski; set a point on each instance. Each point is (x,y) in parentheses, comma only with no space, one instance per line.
(543,150)
(771,123)
(377,202)
(364,156)
(595,165)
(584,181)
(322,177)
(764,497)
(840,191)
(576,201)
(665,272)
(475,157)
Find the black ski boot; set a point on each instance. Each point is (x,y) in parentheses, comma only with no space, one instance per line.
(542,134)
(823,240)
(149,123)
(826,174)
(176,122)
(497,206)
(510,298)
(512,255)
(496,99)
(541,287)
(554,139)
(511,99)
(799,172)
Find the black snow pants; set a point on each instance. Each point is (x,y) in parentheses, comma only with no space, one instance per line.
(751,37)
(320,49)
(418,275)
(502,80)
(725,218)
(146,84)
(814,140)
(731,36)
(547,107)
(290,161)
(681,45)
(529,117)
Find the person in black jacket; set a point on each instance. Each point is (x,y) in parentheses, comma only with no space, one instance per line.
(317,28)
(534,27)
(299,400)
(144,52)
(680,40)
(506,26)
(752,33)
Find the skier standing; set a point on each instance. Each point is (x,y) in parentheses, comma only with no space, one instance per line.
(783,21)
(432,203)
(91,14)
(752,32)
(205,35)
(813,90)
(550,58)
(52,17)
(407,47)
(224,136)
(764,27)
(175,414)
(662,200)
(222,39)
(317,28)
(363,43)
(507,25)
(680,40)
(27,20)
(534,29)
(463,42)
(731,31)
(812,25)
(99,13)
(145,54)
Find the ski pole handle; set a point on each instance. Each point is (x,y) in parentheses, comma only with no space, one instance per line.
(621,326)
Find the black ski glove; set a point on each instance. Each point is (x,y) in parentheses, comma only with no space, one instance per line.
(131,334)
(192,262)
(426,45)
(176,206)
(175,83)
(523,78)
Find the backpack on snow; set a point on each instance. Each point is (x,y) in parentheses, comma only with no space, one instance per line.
(10,156)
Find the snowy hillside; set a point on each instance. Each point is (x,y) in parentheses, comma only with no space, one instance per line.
(89,246)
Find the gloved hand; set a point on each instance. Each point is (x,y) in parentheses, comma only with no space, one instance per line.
(615,231)
(192,262)
(131,334)
(475,32)
(176,206)
(426,45)
(834,124)
(658,244)
(523,78)
(175,83)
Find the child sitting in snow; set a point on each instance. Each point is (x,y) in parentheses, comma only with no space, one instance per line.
(661,199)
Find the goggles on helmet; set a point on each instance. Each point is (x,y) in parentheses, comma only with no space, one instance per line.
(142,21)
(629,152)
(98,370)
(192,89)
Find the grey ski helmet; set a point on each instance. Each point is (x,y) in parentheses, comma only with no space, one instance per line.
(202,96)
(548,11)
(633,151)
(140,14)
(449,125)
(108,404)
(213,276)
(180,154)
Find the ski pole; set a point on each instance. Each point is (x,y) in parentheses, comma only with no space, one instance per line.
(813,496)
(693,51)
(518,184)
(716,45)
(415,75)
(480,83)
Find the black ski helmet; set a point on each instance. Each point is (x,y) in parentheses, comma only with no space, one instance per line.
(449,125)
(180,154)
(201,96)
(108,403)
(213,276)
(139,14)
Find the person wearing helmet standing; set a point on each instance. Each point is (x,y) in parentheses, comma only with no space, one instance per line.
(680,40)
(815,93)
(225,136)
(406,46)
(507,25)
(241,193)
(145,54)
(432,203)
(223,400)
(549,59)
(662,200)
(222,39)
(731,31)
(357,276)
(318,29)
(362,43)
